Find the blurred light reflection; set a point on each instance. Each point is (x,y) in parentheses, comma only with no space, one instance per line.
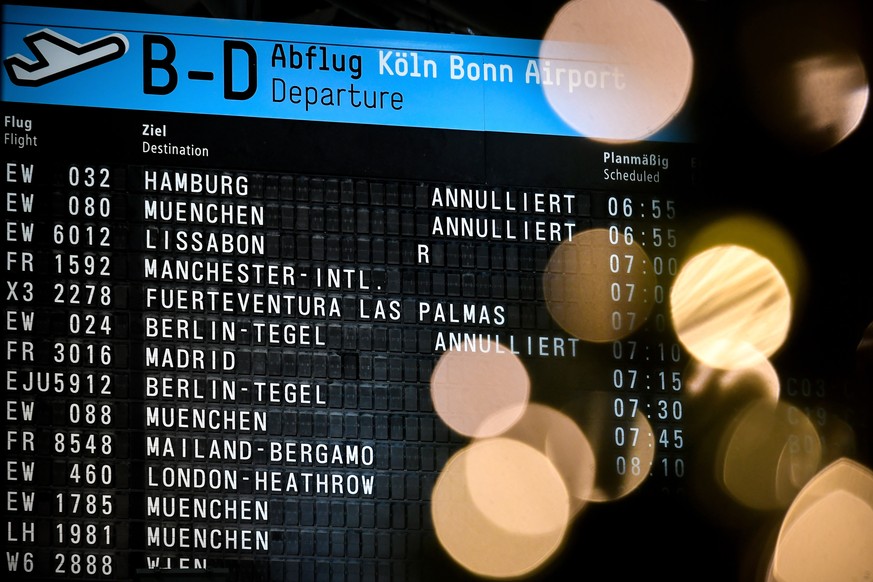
(480,394)
(730,306)
(627,67)
(594,292)
(755,381)
(554,434)
(500,508)
(827,533)
(805,77)
(761,235)
(622,440)
(767,454)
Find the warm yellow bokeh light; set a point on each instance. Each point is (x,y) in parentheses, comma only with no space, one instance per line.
(480,394)
(618,70)
(805,77)
(759,234)
(621,437)
(759,380)
(832,92)
(554,434)
(500,509)
(767,454)
(730,306)
(596,290)
(827,533)
(516,488)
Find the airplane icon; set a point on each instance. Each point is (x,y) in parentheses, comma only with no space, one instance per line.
(58,56)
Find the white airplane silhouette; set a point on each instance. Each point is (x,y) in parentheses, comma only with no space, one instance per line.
(58,56)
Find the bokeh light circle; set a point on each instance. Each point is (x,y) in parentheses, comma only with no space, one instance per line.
(480,394)
(596,285)
(827,533)
(622,438)
(556,435)
(626,67)
(768,453)
(500,509)
(804,73)
(730,307)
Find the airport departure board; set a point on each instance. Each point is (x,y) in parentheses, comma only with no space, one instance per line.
(269,286)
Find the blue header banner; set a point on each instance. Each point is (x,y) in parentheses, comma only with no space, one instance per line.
(277,70)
